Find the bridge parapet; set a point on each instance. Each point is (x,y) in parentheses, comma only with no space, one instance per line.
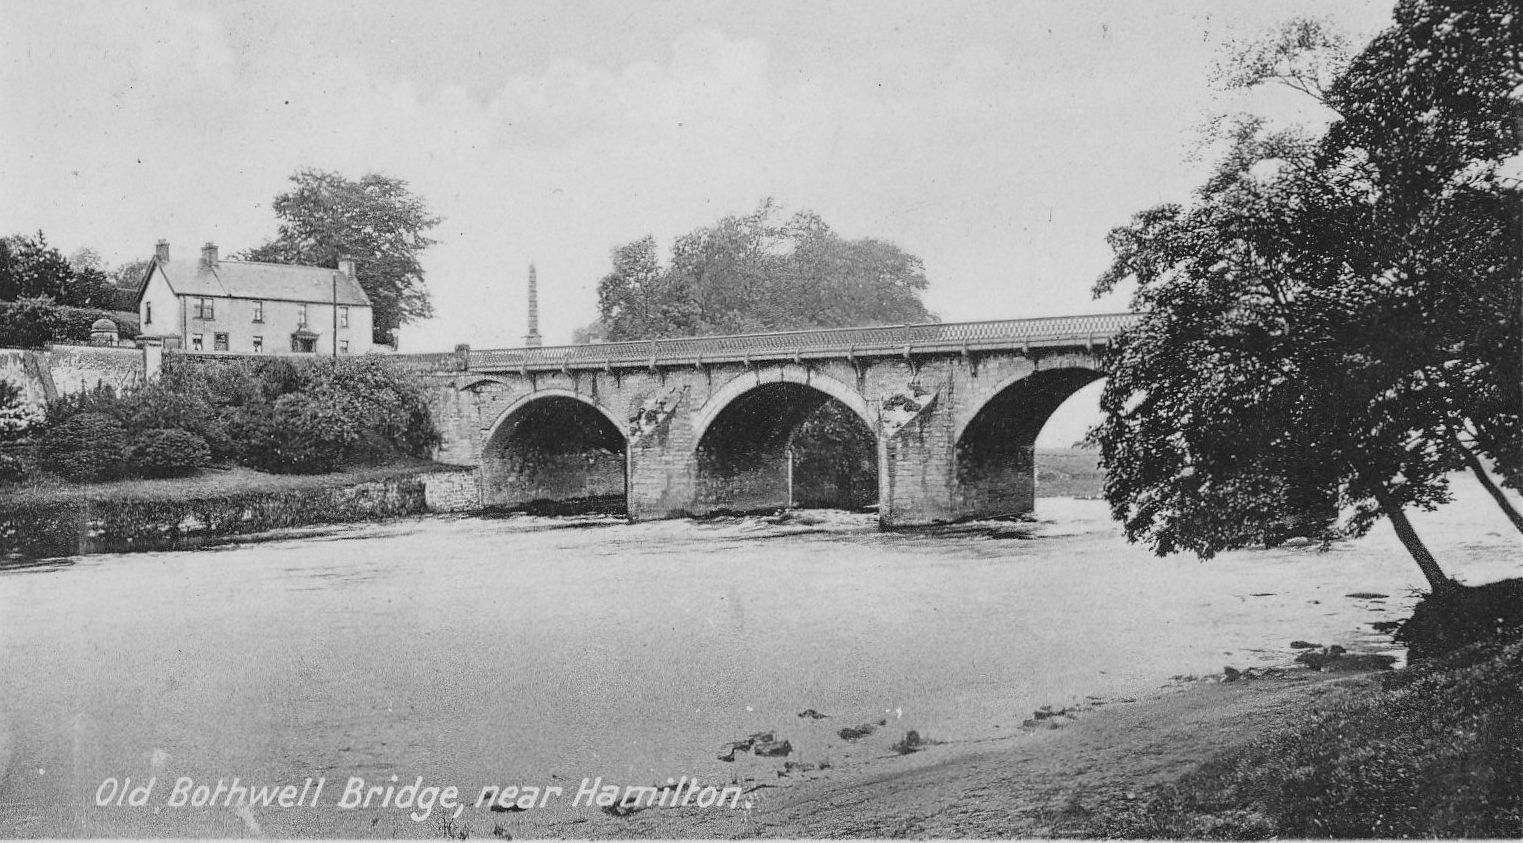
(815,344)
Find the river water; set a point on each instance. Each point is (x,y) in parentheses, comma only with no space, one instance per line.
(540,651)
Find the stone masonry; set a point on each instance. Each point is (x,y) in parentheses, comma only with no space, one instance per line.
(954,431)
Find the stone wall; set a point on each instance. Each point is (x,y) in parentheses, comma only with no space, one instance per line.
(67,369)
(50,528)
(451,491)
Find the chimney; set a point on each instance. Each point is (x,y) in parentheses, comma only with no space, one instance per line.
(346,266)
(209,254)
(161,250)
(532,339)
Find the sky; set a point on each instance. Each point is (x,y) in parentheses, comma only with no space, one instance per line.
(999,141)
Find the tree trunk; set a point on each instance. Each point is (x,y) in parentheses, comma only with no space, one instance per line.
(1437,580)
(1480,472)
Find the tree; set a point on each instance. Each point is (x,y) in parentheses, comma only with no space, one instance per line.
(1325,319)
(376,221)
(1428,115)
(754,273)
(30,268)
(638,300)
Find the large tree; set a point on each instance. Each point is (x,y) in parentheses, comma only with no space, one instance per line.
(1428,117)
(376,221)
(1329,315)
(758,273)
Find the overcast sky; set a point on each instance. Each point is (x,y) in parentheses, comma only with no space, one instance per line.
(999,141)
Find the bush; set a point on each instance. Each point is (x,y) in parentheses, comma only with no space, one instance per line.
(35,322)
(89,446)
(18,417)
(290,417)
(168,452)
(13,469)
(164,405)
(102,399)
(30,323)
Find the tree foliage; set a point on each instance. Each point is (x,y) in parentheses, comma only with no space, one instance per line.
(88,446)
(1329,314)
(758,273)
(31,269)
(305,416)
(376,221)
(167,452)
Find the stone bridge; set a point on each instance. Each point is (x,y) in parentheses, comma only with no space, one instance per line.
(678,427)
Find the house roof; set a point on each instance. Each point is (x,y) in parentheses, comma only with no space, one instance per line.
(250,280)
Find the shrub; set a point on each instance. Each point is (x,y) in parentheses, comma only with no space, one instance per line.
(89,446)
(18,417)
(168,452)
(13,469)
(34,322)
(30,322)
(163,405)
(101,399)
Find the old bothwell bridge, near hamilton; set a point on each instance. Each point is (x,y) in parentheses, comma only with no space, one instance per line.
(701,425)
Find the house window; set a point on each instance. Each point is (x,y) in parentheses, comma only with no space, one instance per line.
(258,344)
(301,315)
(303,344)
(147,313)
(258,311)
(195,342)
(219,342)
(205,309)
(343,346)
(343,317)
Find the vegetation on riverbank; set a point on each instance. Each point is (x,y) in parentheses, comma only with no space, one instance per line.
(279,415)
(57,519)
(1435,750)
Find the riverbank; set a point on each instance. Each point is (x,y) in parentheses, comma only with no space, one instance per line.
(1431,750)
(54,518)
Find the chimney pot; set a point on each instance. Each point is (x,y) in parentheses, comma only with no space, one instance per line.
(346,266)
(161,250)
(209,254)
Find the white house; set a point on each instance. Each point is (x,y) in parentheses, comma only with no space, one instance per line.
(253,308)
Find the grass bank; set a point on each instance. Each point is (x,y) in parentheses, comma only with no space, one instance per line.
(1435,750)
(1426,751)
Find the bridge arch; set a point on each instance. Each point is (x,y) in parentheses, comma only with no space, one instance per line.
(555,450)
(781,437)
(994,459)
(744,383)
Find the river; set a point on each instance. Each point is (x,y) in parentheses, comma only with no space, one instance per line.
(522,650)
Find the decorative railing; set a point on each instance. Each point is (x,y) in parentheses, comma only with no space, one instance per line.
(813,344)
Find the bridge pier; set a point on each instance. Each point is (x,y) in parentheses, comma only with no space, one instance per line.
(660,463)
